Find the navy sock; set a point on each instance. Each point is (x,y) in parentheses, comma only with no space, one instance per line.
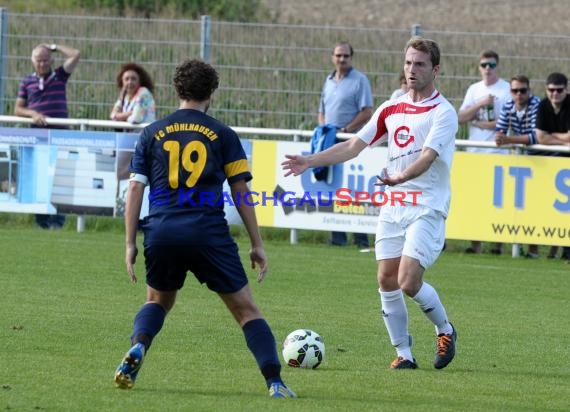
(261,343)
(148,322)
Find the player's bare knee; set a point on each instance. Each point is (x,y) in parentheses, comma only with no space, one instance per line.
(246,316)
(410,286)
(388,283)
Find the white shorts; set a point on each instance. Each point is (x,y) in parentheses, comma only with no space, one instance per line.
(414,231)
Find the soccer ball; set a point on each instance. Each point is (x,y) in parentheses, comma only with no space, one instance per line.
(303,348)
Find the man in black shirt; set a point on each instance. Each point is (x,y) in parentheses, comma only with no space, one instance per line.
(553,124)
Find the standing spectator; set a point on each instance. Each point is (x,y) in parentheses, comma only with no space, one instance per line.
(553,124)
(43,94)
(403,86)
(346,103)
(194,236)
(516,123)
(136,102)
(421,142)
(480,108)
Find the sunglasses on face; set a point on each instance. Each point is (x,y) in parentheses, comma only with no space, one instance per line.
(555,89)
(484,65)
(522,90)
(338,56)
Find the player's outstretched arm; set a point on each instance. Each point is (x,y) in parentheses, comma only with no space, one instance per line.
(295,165)
(247,213)
(341,152)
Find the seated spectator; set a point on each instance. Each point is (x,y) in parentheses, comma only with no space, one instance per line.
(136,102)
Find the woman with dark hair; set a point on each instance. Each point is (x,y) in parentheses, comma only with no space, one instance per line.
(136,102)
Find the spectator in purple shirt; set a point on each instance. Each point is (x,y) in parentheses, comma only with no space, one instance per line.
(42,94)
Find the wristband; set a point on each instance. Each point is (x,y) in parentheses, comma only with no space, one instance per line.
(53,47)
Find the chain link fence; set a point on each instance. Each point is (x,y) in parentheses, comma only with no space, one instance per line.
(271,74)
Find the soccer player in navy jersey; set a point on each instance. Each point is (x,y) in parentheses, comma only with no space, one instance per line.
(420,128)
(185,159)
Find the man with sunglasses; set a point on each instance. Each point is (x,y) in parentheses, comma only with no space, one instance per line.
(553,117)
(553,125)
(516,124)
(483,102)
(517,120)
(346,103)
(480,109)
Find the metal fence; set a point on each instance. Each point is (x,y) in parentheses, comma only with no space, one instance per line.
(271,74)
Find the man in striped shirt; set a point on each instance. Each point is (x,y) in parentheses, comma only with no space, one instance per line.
(517,120)
(43,94)
(516,124)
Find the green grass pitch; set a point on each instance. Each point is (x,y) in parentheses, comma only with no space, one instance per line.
(67,308)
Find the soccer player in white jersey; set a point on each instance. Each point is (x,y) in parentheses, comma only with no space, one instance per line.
(420,129)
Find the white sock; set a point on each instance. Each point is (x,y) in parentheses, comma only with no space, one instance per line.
(395,315)
(428,301)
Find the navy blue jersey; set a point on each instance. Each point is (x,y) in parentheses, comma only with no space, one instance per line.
(186,157)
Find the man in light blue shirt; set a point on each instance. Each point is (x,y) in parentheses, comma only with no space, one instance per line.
(346,102)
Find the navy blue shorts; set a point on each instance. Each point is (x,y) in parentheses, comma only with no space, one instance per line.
(219,267)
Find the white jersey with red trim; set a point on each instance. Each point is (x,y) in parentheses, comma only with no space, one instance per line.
(408,127)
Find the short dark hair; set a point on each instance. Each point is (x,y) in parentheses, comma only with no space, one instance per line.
(489,54)
(521,78)
(557,78)
(426,46)
(344,43)
(195,79)
(145,79)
